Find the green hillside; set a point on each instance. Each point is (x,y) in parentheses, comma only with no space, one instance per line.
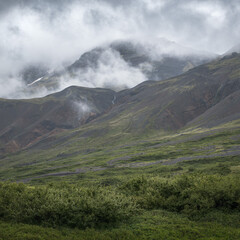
(159,161)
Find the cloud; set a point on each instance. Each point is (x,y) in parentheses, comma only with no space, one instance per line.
(55,33)
(10,87)
(83,109)
(111,71)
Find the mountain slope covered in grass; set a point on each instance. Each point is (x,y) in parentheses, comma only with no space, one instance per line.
(158,161)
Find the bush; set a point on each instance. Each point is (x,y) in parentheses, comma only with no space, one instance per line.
(190,194)
(95,206)
(69,206)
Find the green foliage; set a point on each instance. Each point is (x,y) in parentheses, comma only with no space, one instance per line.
(94,206)
(154,224)
(67,205)
(221,169)
(190,206)
(189,194)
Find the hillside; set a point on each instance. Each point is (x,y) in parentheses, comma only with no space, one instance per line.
(171,104)
(28,121)
(158,161)
(200,97)
(120,127)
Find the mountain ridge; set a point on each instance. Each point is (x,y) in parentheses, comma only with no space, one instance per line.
(149,62)
(164,106)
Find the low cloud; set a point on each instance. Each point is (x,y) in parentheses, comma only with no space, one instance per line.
(10,87)
(111,71)
(83,109)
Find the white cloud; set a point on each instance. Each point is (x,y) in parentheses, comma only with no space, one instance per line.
(83,109)
(111,72)
(153,4)
(213,12)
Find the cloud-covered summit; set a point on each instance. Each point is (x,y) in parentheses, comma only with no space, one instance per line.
(55,33)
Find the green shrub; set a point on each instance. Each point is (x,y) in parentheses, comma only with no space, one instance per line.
(95,206)
(69,205)
(190,194)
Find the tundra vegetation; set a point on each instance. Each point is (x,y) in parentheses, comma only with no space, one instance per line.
(194,199)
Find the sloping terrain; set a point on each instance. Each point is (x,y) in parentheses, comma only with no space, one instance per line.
(33,72)
(24,122)
(159,161)
(200,97)
(226,110)
(171,104)
(192,117)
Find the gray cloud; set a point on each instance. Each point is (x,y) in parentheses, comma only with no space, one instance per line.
(193,22)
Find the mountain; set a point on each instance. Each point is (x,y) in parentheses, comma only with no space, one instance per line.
(225,111)
(28,121)
(158,61)
(205,96)
(172,104)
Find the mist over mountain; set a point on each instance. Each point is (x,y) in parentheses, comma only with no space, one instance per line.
(31,73)
(120,65)
(207,95)
(117,65)
(56,33)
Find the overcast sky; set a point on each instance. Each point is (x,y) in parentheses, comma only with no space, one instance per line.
(57,32)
